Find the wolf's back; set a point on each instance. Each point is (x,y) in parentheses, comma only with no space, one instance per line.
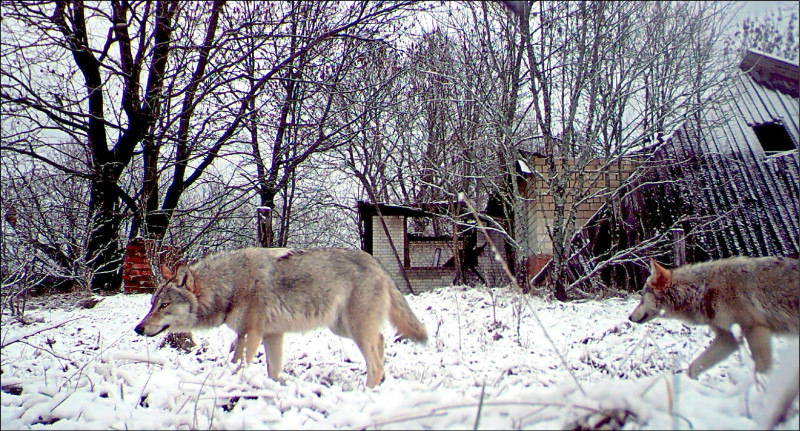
(765,286)
(401,316)
(779,281)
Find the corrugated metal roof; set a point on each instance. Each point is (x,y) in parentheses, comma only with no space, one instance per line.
(771,72)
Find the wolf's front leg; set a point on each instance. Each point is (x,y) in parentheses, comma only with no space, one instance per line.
(759,343)
(723,345)
(251,342)
(273,344)
(237,347)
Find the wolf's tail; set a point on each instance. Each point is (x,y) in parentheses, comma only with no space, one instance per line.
(401,316)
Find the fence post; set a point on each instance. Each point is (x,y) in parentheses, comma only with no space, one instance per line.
(678,246)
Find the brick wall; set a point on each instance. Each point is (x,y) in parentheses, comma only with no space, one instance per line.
(421,279)
(540,205)
(425,279)
(140,258)
(381,249)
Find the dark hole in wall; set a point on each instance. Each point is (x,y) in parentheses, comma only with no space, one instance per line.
(774,137)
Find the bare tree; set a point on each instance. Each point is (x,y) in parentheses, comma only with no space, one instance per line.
(98,100)
(180,119)
(468,80)
(316,44)
(156,80)
(370,109)
(606,77)
(44,230)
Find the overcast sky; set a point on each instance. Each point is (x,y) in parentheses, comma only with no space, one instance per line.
(758,8)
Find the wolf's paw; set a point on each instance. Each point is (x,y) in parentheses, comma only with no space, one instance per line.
(240,367)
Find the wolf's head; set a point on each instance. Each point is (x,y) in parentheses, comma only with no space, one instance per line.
(174,303)
(659,281)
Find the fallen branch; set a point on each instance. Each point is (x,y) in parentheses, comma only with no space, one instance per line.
(47,351)
(444,410)
(107,356)
(19,338)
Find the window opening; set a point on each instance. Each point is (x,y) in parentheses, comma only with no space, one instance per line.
(774,137)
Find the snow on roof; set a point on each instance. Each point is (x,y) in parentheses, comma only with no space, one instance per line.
(523,167)
(774,73)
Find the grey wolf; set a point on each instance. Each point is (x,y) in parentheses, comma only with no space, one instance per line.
(261,293)
(760,294)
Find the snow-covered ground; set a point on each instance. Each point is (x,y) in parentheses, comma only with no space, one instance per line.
(494,360)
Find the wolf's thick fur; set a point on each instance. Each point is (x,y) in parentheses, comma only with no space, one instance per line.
(761,294)
(261,293)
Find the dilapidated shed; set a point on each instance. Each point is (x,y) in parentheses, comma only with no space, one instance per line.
(436,244)
(723,184)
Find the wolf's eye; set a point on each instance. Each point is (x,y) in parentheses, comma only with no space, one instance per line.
(163,305)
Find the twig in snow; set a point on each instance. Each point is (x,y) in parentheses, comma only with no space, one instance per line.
(144,387)
(440,411)
(50,352)
(199,391)
(480,406)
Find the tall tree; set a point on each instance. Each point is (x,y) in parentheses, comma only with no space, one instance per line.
(314,47)
(76,103)
(156,80)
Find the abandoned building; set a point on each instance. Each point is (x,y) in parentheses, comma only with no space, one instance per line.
(435,246)
(723,186)
(538,205)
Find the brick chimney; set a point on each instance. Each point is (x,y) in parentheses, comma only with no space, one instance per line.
(141,257)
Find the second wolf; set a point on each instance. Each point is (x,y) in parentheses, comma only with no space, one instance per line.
(261,293)
(761,295)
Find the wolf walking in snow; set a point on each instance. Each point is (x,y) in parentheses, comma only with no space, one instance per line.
(760,294)
(261,293)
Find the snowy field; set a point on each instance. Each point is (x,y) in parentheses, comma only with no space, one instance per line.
(494,360)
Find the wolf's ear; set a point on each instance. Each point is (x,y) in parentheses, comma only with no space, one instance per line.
(166,273)
(186,278)
(660,276)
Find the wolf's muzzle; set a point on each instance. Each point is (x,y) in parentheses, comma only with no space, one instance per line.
(640,316)
(139,329)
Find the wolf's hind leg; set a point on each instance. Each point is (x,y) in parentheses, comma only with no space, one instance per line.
(758,339)
(371,345)
(723,345)
(273,344)
(381,346)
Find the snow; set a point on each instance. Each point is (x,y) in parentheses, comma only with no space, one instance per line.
(523,167)
(486,353)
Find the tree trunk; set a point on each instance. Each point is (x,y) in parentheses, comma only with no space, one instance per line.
(265,233)
(102,252)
